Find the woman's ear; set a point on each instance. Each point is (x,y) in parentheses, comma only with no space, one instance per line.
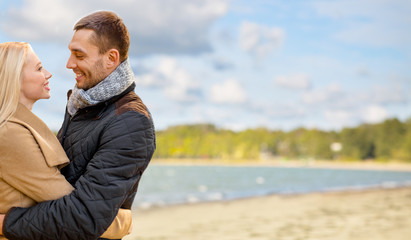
(113,58)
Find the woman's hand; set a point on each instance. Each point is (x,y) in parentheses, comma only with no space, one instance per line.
(1,223)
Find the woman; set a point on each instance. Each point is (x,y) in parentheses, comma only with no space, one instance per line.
(30,154)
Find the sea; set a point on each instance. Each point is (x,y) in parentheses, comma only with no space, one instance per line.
(165,185)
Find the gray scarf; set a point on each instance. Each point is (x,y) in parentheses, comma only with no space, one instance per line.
(114,84)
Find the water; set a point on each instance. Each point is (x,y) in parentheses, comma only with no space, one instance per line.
(166,185)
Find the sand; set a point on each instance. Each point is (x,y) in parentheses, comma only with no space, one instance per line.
(361,165)
(377,214)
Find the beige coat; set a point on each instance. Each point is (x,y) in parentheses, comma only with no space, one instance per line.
(30,158)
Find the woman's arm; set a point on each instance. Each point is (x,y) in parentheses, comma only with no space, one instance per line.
(121,226)
(1,223)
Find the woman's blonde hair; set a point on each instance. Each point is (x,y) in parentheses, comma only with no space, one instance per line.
(12,59)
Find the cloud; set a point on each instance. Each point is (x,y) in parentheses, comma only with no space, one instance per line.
(338,117)
(221,64)
(374,114)
(42,20)
(296,81)
(378,23)
(260,40)
(228,92)
(177,84)
(331,93)
(156,26)
(363,71)
(391,93)
(283,111)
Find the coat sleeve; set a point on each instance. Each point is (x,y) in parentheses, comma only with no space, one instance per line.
(126,148)
(24,167)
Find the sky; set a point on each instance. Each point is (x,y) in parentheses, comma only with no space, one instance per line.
(239,64)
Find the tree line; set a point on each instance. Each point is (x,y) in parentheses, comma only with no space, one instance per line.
(385,141)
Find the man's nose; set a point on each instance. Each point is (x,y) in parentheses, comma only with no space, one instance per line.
(70,63)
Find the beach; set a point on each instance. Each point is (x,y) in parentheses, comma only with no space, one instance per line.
(373,214)
(278,162)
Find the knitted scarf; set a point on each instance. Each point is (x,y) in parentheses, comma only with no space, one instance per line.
(114,84)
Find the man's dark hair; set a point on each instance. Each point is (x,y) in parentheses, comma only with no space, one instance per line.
(109,32)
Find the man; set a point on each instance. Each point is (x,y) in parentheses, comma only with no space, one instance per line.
(107,133)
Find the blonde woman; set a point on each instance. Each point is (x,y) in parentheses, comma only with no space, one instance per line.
(30,154)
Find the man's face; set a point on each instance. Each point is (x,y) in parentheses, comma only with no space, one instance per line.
(85,60)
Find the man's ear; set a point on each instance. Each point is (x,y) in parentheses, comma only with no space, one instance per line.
(112,58)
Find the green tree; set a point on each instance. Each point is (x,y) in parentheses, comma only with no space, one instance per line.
(358,143)
(389,136)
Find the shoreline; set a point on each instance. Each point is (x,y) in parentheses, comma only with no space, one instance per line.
(387,186)
(382,213)
(274,195)
(366,165)
(383,187)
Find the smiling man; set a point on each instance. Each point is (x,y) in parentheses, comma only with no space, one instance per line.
(107,133)
(85,60)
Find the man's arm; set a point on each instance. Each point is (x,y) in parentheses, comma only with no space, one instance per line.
(115,169)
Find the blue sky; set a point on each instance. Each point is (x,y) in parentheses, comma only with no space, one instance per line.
(240,64)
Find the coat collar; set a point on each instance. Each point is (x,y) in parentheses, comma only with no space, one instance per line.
(47,141)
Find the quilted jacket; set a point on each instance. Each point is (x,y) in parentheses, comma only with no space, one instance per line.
(110,146)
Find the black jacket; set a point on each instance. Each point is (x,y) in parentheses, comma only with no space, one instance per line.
(110,146)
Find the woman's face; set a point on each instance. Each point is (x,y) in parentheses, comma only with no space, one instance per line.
(34,80)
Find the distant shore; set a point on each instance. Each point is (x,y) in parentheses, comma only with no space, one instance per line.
(364,165)
(378,214)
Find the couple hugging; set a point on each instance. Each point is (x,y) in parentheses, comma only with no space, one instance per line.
(80,185)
